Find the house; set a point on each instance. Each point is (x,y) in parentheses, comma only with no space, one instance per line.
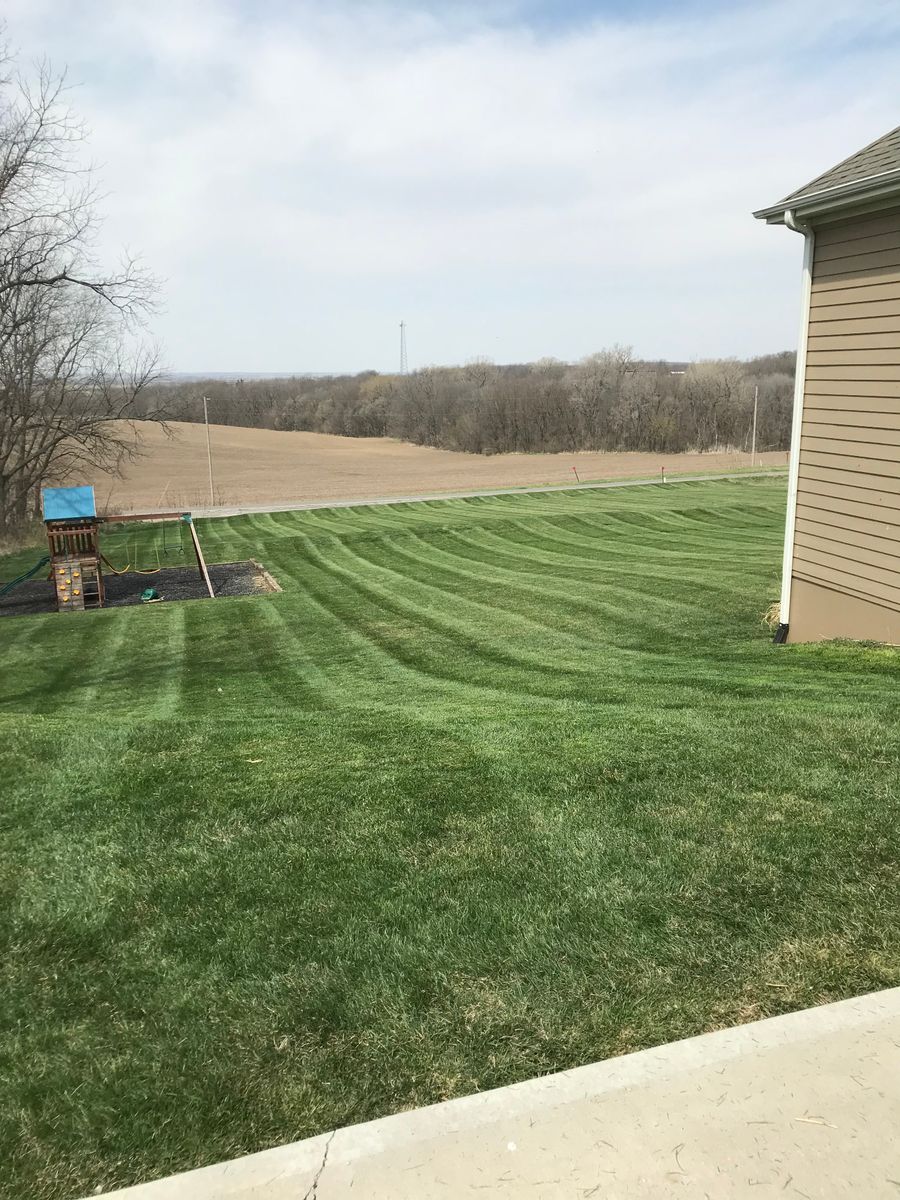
(841,569)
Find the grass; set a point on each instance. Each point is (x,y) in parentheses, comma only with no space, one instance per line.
(21,538)
(495,787)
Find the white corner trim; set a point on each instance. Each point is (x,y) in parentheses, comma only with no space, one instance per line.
(797,420)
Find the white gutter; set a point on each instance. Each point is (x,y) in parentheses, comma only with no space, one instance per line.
(797,422)
(838,194)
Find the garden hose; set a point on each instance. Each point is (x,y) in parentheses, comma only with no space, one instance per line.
(8,587)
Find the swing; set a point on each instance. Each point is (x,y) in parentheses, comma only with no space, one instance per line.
(148,570)
(131,559)
(119,570)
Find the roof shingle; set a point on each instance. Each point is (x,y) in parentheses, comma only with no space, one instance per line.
(880,156)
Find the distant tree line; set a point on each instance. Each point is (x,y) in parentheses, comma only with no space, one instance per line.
(607,401)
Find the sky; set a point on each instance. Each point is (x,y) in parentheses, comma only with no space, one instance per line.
(514,180)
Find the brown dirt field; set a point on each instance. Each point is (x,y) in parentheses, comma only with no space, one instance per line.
(259,466)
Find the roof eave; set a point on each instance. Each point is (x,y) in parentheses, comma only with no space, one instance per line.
(885,186)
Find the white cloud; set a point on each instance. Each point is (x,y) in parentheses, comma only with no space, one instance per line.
(305,175)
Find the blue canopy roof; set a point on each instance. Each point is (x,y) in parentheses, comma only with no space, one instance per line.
(68,503)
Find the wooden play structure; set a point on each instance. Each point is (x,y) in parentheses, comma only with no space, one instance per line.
(76,558)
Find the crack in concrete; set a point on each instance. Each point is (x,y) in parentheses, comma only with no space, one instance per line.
(312,1191)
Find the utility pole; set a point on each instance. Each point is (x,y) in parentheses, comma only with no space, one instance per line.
(753,440)
(403,367)
(212,494)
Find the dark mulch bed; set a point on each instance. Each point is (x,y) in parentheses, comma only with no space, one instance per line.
(173,583)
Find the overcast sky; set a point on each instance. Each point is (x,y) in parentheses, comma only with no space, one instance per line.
(514,179)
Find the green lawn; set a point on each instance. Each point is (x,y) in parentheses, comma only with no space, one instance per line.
(494,787)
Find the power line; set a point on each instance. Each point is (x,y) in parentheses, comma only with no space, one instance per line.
(403,367)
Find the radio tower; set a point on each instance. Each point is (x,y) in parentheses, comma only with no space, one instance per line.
(402,347)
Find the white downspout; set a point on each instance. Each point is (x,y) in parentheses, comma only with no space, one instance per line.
(796,423)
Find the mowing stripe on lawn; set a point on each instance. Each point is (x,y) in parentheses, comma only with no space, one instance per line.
(494,786)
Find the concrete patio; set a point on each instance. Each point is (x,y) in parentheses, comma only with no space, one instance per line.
(803,1105)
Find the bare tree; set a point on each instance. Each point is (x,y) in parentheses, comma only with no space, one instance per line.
(65,377)
(596,384)
(711,396)
(68,395)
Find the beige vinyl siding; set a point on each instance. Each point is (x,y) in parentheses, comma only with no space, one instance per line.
(849,389)
(827,493)
(849,485)
(847,536)
(844,294)
(823,613)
